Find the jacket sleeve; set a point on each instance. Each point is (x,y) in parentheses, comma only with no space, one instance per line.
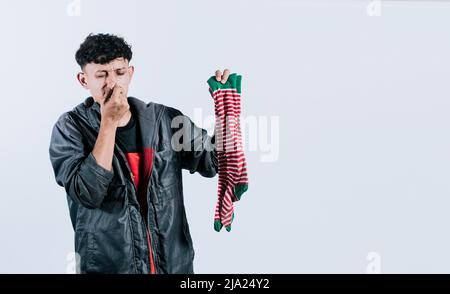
(75,167)
(198,153)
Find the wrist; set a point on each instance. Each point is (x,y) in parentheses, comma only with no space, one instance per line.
(108,124)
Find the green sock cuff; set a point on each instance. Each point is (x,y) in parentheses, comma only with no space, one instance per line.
(233,82)
(239,190)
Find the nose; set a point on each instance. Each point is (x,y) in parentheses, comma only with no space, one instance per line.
(111,81)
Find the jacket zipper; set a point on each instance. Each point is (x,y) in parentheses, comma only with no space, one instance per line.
(152,263)
(149,241)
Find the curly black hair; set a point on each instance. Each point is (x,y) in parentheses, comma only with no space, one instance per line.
(102,49)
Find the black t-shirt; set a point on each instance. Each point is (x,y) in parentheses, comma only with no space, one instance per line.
(127,137)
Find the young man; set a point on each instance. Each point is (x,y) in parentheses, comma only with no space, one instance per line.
(117,160)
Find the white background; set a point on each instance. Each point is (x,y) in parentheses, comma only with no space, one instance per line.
(362,101)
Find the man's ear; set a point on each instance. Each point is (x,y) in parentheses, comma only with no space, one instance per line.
(82,79)
(131,71)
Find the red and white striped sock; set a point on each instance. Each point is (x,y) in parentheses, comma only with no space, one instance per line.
(232,167)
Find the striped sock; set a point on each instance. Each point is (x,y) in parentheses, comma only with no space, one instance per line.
(232,167)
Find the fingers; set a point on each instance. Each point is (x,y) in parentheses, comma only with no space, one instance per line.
(119,97)
(107,92)
(117,91)
(218,75)
(225,75)
(115,105)
(222,77)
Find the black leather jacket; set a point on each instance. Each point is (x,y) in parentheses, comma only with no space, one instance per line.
(111,234)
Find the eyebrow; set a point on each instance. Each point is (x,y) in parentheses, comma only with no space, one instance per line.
(104,70)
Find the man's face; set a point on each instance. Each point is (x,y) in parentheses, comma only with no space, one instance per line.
(99,79)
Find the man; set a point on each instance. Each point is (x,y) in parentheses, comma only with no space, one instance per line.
(115,157)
